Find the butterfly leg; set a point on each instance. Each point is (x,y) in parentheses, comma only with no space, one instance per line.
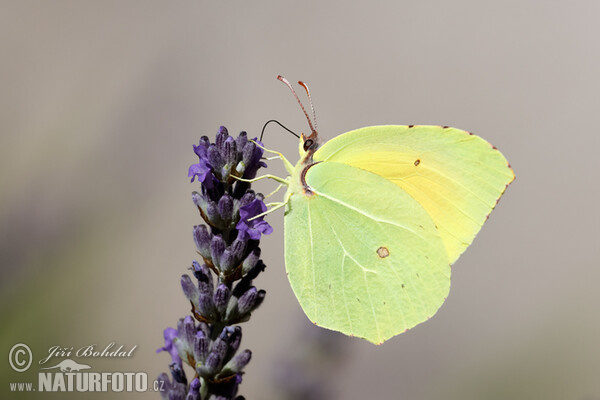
(269,176)
(274,191)
(288,165)
(275,206)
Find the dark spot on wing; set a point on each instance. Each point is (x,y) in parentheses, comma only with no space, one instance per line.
(403,286)
(383,252)
(417,162)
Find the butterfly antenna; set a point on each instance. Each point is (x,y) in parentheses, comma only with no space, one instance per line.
(312,108)
(282,79)
(278,123)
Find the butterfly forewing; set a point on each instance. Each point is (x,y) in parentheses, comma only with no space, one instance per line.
(457,177)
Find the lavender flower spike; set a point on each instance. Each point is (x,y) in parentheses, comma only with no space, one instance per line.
(222,294)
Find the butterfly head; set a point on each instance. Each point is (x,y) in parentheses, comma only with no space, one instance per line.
(308,144)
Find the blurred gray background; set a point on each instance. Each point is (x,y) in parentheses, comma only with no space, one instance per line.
(100,103)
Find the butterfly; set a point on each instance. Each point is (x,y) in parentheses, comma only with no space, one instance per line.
(375,217)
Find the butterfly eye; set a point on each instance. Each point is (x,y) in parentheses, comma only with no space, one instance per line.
(308,144)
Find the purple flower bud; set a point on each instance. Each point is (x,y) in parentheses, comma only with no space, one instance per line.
(201,344)
(212,213)
(194,393)
(235,338)
(248,153)
(178,373)
(189,289)
(250,261)
(251,155)
(214,158)
(238,363)
(238,249)
(213,363)
(247,198)
(241,140)
(186,332)
(225,207)
(221,298)
(222,135)
(247,300)
(206,306)
(220,346)
(250,226)
(204,277)
(202,238)
(217,247)
(229,152)
(227,261)
(199,200)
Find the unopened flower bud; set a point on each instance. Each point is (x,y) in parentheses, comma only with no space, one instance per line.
(217,247)
(213,363)
(225,208)
(201,345)
(238,362)
(194,393)
(227,262)
(206,306)
(221,298)
(247,300)
(222,135)
(238,248)
(229,152)
(250,261)
(248,153)
(202,239)
(235,339)
(241,140)
(212,213)
(214,158)
(204,277)
(177,373)
(186,332)
(199,200)
(220,347)
(189,289)
(247,198)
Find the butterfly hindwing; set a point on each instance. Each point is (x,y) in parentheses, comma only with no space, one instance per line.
(363,256)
